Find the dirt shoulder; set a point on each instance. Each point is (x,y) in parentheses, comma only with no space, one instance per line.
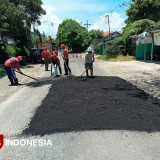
(144,75)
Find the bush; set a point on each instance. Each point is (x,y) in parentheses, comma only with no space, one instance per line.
(114,47)
(11,51)
(22,51)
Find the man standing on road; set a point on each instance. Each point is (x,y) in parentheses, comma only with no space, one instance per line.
(9,65)
(89,59)
(46,57)
(66,59)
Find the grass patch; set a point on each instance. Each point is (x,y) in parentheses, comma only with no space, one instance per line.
(2,72)
(119,58)
(103,57)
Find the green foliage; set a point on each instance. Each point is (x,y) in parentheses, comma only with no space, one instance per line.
(123,45)
(35,41)
(135,28)
(115,59)
(16,19)
(138,27)
(77,38)
(95,34)
(23,51)
(11,51)
(103,57)
(70,32)
(114,47)
(2,72)
(143,9)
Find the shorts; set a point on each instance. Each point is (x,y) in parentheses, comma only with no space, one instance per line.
(88,65)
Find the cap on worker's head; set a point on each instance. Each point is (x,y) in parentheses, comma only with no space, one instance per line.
(54,55)
(19,58)
(62,46)
(89,49)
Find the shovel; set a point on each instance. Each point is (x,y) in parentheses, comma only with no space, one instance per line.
(84,72)
(28,76)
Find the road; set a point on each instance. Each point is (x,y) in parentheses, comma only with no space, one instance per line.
(106,117)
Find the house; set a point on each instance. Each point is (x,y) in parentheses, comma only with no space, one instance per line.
(147,45)
(101,45)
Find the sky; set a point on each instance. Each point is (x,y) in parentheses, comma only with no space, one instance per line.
(94,11)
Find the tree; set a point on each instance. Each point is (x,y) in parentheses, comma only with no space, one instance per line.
(124,44)
(143,9)
(17,16)
(143,25)
(10,14)
(70,32)
(95,34)
(77,37)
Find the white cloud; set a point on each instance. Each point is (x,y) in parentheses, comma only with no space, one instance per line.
(115,20)
(50,21)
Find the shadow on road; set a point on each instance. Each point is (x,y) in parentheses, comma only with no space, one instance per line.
(100,103)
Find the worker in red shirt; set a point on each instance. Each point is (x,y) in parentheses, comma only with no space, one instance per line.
(9,66)
(55,61)
(66,59)
(46,57)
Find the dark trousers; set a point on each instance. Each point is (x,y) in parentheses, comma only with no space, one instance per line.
(11,75)
(66,66)
(46,62)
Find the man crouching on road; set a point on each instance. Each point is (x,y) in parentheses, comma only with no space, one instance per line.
(89,59)
(9,66)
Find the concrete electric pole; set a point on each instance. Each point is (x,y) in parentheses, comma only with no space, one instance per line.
(108,25)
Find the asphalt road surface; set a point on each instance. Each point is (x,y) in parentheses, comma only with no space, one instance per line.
(100,118)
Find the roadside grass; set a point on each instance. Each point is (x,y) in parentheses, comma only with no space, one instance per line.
(119,58)
(2,72)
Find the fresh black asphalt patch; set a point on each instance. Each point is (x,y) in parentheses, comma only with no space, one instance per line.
(100,103)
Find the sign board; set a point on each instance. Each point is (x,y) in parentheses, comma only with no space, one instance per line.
(157,38)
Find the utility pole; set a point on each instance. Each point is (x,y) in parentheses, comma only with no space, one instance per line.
(108,25)
(87,24)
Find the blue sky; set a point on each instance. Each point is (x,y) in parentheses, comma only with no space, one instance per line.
(82,10)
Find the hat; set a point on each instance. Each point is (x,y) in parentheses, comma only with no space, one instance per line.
(89,49)
(62,46)
(19,58)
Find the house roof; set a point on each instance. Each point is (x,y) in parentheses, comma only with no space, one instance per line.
(105,34)
(156,31)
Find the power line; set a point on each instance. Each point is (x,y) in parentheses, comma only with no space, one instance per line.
(118,7)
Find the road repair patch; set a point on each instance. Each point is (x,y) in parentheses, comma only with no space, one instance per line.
(99,103)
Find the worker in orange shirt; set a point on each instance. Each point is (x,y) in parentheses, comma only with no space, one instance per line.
(46,57)
(66,59)
(9,66)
